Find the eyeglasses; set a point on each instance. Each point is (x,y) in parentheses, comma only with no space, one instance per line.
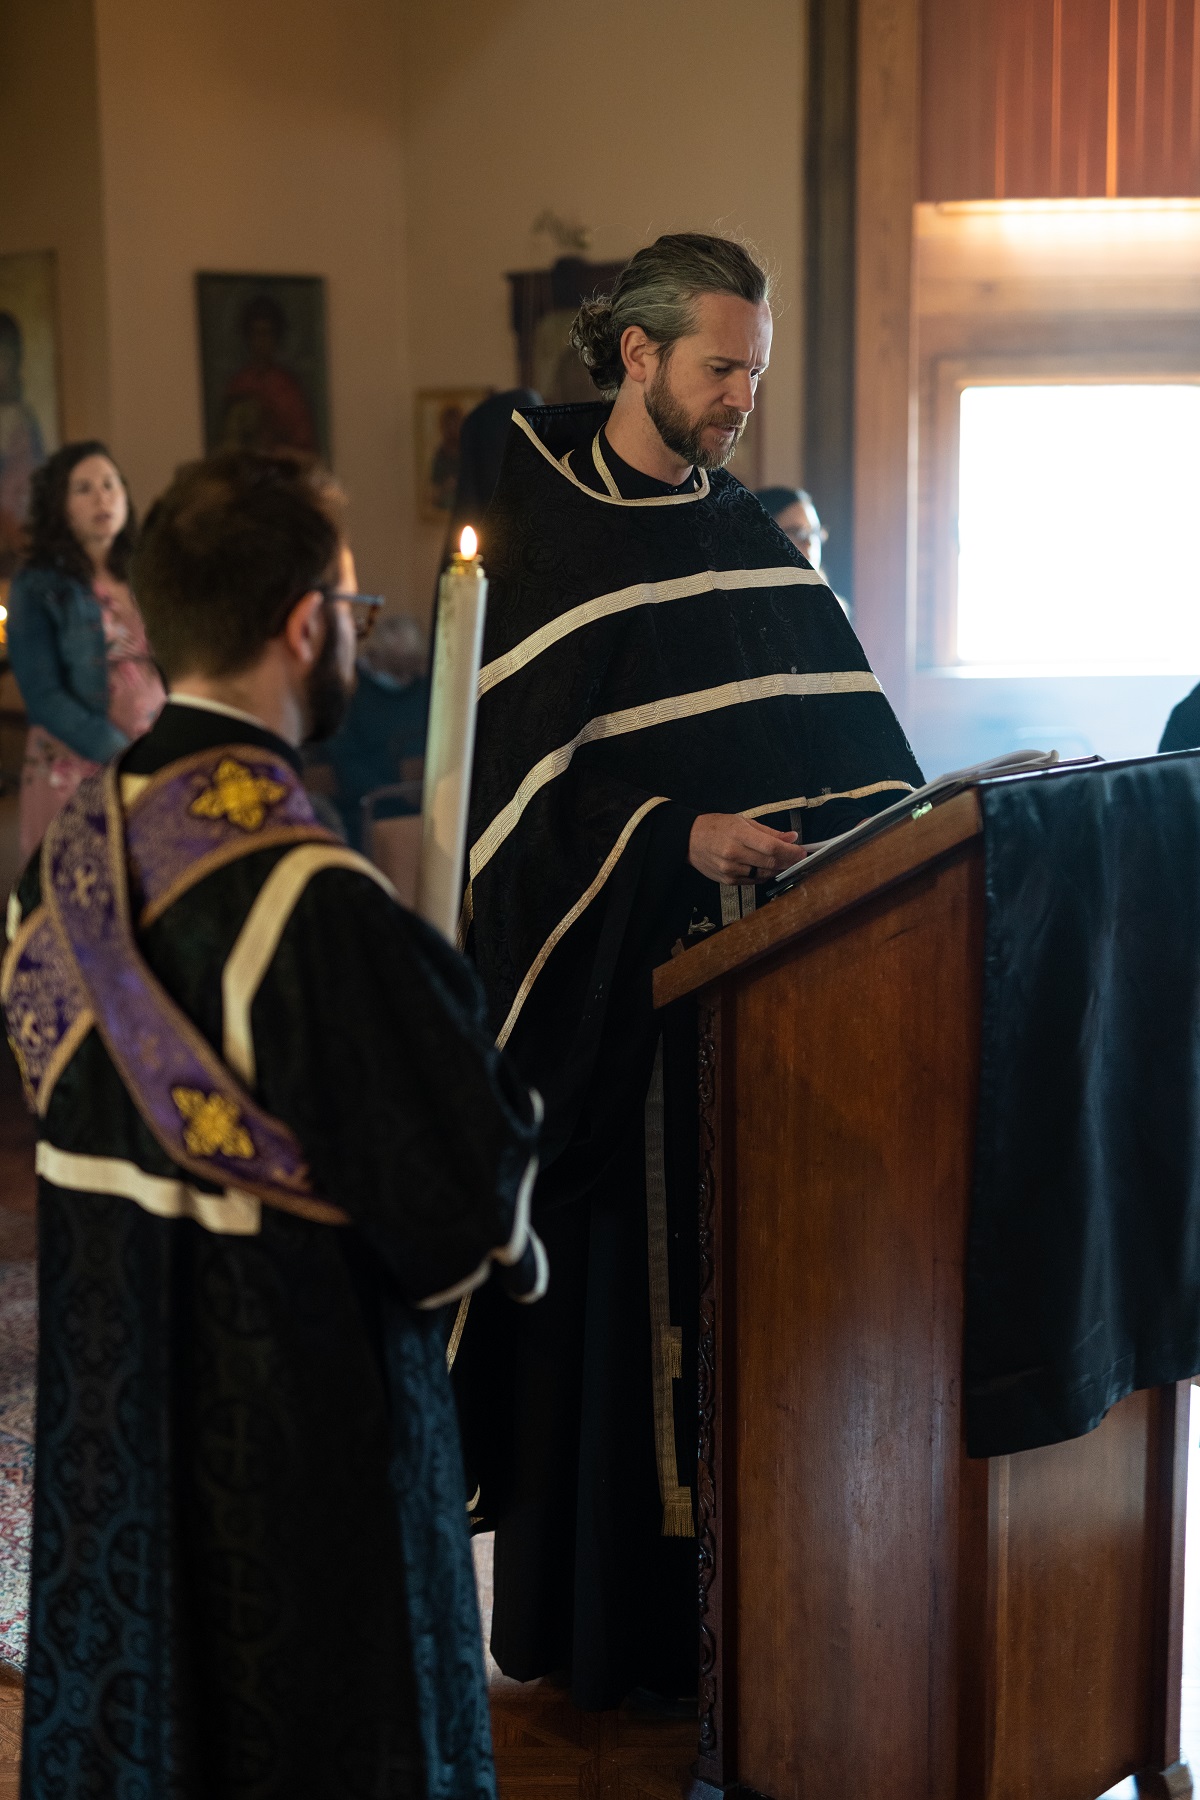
(364,609)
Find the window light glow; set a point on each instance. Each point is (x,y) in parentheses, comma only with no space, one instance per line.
(1059,208)
(1080,222)
(1077,527)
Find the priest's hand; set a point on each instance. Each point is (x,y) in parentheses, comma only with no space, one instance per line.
(728,848)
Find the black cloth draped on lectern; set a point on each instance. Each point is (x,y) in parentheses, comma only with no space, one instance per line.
(1083,1264)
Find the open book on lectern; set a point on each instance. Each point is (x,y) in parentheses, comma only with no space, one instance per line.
(912,806)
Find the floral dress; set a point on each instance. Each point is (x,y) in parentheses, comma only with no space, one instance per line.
(51,771)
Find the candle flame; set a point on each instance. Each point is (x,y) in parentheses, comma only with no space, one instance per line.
(468,544)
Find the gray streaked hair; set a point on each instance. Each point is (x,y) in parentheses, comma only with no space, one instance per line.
(657,289)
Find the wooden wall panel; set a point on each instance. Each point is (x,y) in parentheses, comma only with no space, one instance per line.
(829,167)
(958,113)
(1060,99)
(889,49)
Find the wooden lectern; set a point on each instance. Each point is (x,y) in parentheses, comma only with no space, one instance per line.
(880,1615)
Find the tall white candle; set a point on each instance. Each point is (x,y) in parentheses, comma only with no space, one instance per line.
(450,744)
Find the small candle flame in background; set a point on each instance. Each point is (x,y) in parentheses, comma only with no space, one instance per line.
(468,544)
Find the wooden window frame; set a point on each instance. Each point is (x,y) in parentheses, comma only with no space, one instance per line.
(947,377)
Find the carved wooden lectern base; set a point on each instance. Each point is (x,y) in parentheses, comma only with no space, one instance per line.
(959,1629)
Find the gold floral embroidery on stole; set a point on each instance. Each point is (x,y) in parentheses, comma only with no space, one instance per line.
(237,794)
(212,1124)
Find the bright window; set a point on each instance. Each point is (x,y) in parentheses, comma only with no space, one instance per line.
(1079,527)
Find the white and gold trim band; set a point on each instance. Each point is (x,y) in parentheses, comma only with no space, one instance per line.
(580,907)
(242,977)
(602,469)
(666,1340)
(259,937)
(507,1256)
(606,499)
(667,711)
(730,910)
(231,1214)
(642,593)
(806,802)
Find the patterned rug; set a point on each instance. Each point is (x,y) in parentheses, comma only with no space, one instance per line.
(18,1371)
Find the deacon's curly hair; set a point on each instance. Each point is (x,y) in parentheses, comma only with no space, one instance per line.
(49,541)
(657,290)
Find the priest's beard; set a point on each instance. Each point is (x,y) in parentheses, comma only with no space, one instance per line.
(683,434)
(327,691)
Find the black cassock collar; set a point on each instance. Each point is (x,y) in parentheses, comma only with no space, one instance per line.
(180,731)
(591,462)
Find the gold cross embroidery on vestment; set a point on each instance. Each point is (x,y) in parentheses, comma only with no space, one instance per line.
(237,794)
(84,878)
(212,1124)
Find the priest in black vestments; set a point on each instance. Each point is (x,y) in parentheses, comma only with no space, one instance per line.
(670,697)
(276,1141)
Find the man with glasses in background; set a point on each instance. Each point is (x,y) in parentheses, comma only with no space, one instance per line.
(793,511)
(275,1140)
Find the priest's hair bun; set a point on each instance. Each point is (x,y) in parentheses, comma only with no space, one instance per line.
(657,290)
(599,343)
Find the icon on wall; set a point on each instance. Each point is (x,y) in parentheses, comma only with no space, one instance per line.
(439,416)
(262,362)
(29,421)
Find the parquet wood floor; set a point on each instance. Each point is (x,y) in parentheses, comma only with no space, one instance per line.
(11,1697)
(546,1749)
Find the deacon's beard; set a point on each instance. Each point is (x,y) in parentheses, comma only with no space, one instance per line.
(683,434)
(327,692)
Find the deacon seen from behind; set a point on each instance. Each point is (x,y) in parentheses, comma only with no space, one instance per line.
(276,1139)
(670,697)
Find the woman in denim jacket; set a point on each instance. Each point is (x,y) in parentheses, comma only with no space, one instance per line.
(76,640)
